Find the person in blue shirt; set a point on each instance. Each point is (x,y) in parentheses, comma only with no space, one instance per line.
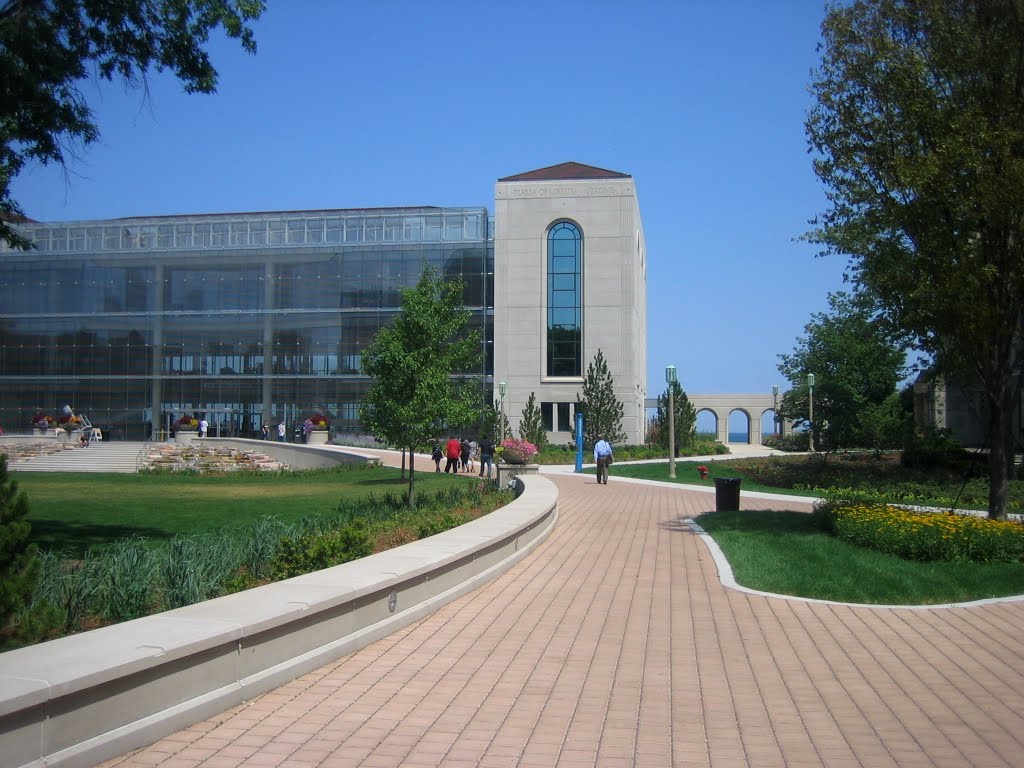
(602,457)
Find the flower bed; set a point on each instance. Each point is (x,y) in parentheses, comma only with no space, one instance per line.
(516,451)
(915,535)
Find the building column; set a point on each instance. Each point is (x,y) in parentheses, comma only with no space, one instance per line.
(156,379)
(269,274)
(723,426)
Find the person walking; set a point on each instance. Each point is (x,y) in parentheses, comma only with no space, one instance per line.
(474,454)
(204,426)
(453,450)
(265,431)
(464,454)
(602,457)
(280,432)
(437,454)
(486,455)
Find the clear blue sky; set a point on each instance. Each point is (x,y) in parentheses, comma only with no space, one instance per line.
(400,103)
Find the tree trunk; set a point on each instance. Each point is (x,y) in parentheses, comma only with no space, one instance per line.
(402,476)
(412,477)
(1000,459)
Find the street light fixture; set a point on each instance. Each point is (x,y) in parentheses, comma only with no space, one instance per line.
(670,377)
(502,387)
(775,408)
(810,410)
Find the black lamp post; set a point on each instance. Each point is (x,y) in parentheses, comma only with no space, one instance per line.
(775,408)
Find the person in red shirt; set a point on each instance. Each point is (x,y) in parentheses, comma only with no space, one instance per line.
(453,450)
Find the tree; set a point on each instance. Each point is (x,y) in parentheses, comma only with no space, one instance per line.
(685,419)
(531,427)
(857,362)
(493,422)
(886,424)
(417,365)
(918,128)
(602,410)
(48,47)
(19,568)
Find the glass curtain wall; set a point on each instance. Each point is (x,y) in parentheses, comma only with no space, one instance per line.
(245,319)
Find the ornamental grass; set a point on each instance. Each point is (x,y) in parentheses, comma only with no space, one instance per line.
(925,536)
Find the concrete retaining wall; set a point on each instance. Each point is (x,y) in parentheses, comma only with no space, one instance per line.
(296,456)
(79,700)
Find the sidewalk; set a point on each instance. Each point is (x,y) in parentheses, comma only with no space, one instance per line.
(616,644)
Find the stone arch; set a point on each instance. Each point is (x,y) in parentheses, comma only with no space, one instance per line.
(748,425)
(769,423)
(701,423)
(754,406)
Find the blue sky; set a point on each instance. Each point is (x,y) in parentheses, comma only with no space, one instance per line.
(401,103)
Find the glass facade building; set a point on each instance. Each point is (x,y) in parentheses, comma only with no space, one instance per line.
(243,318)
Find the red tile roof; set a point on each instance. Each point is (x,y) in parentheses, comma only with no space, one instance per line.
(565,171)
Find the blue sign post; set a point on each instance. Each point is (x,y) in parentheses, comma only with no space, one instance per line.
(579,442)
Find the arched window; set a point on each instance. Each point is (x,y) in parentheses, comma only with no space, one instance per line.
(565,300)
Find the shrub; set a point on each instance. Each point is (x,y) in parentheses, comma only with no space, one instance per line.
(933,448)
(794,442)
(435,525)
(315,551)
(915,535)
(19,568)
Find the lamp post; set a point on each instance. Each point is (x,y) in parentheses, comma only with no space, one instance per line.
(775,408)
(501,393)
(810,410)
(670,377)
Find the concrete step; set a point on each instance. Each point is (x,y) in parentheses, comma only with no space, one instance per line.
(124,457)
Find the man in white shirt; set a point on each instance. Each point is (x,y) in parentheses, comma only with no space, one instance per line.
(602,457)
(204,425)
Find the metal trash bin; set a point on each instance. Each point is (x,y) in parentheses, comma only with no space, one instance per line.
(727,494)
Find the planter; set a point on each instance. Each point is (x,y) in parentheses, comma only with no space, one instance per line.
(318,437)
(185,436)
(507,473)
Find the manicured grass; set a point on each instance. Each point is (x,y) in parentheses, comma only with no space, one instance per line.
(561,454)
(686,473)
(783,552)
(78,511)
(854,475)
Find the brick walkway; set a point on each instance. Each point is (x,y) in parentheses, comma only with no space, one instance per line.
(615,644)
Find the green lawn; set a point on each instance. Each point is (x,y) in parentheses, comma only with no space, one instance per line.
(686,472)
(853,475)
(783,552)
(78,511)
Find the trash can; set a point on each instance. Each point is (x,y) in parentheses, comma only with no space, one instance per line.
(727,494)
(298,436)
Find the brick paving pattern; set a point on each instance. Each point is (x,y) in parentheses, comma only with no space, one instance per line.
(614,644)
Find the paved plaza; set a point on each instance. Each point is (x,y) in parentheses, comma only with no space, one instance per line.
(616,644)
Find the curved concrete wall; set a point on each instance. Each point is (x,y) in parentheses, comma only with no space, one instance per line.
(79,700)
(295,455)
